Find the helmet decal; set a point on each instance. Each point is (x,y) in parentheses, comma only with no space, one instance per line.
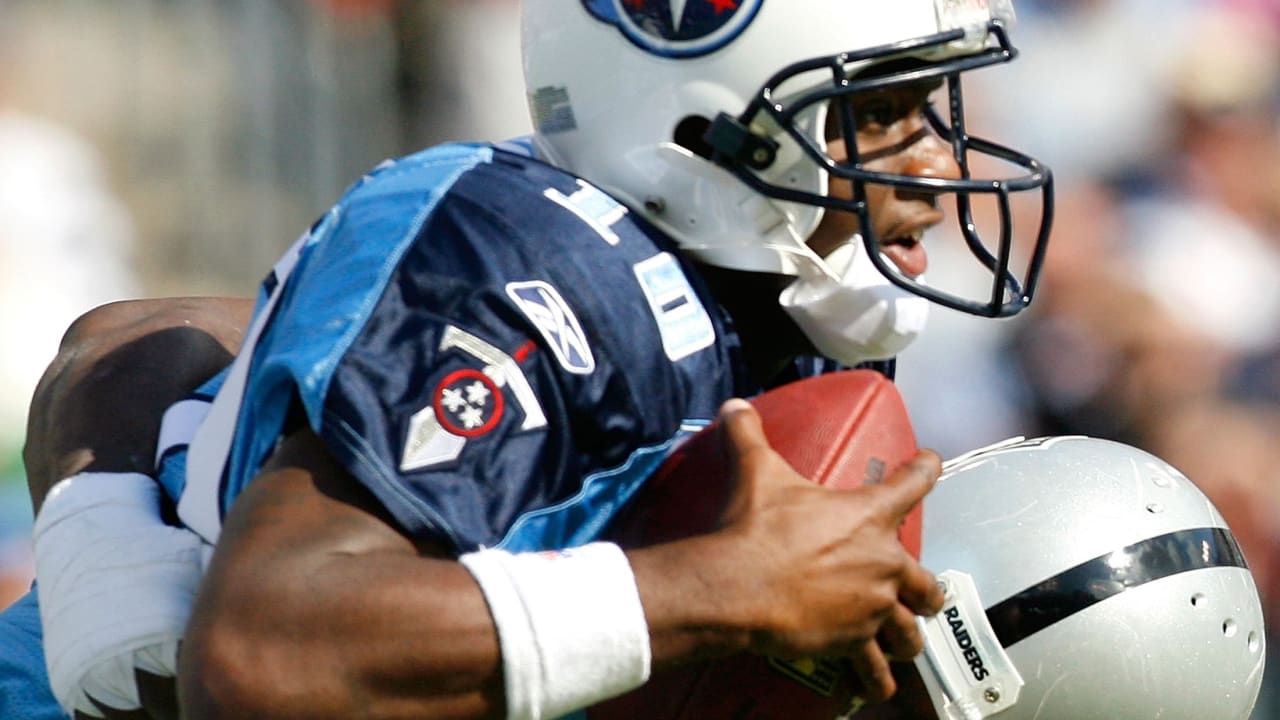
(1091,582)
(677,28)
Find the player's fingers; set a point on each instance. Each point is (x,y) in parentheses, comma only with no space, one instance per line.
(919,590)
(873,670)
(742,427)
(907,485)
(900,637)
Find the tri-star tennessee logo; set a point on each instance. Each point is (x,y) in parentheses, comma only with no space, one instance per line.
(677,28)
(468,403)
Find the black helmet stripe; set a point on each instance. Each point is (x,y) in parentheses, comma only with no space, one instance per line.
(1093,581)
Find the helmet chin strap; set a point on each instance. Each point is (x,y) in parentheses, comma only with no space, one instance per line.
(849,310)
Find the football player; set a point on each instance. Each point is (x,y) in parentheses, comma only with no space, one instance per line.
(481,351)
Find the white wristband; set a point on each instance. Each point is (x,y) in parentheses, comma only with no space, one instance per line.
(116,587)
(570,626)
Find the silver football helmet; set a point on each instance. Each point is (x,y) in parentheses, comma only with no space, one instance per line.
(1085,579)
(711,117)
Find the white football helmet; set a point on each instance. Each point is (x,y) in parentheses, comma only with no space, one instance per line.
(710,118)
(1085,579)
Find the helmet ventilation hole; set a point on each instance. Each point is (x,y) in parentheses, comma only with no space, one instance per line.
(1197,600)
(1155,508)
(1229,627)
(1161,481)
(1255,644)
(690,135)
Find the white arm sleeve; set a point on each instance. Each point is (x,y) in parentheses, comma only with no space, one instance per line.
(116,587)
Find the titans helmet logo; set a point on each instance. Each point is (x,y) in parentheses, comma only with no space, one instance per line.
(677,28)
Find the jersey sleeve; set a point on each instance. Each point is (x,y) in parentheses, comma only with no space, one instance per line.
(498,352)
(24,682)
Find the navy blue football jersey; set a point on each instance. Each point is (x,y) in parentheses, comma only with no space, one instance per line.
(499,351)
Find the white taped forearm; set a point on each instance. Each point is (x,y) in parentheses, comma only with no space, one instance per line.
(570,626)
(116,587)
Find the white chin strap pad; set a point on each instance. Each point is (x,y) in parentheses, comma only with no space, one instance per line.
(854,313)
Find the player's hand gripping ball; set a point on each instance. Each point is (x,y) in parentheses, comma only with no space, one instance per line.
(840,430)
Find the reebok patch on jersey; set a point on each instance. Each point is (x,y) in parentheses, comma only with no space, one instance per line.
(547,310)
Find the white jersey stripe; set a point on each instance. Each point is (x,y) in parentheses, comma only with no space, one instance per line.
(200,505)
(180,423)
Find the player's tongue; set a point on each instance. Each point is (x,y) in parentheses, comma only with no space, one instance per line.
(908,254)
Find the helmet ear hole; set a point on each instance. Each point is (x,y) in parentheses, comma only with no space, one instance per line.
(690,134)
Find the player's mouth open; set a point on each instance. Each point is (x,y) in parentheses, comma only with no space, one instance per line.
(907,252)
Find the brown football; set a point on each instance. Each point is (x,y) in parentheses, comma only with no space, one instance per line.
(841,430)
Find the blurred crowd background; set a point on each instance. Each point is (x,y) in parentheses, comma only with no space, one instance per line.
(162,147)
